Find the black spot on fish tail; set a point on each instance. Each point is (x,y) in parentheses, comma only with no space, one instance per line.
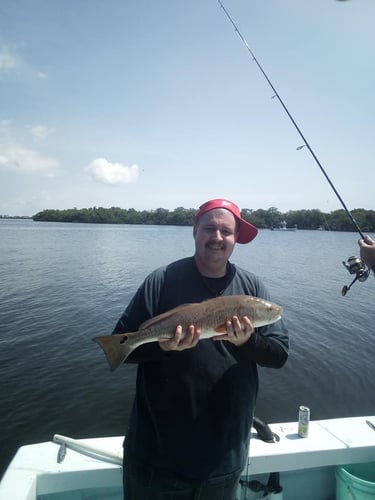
(116,348)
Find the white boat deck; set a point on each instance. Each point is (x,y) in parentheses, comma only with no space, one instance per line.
(35,470)
(330,442)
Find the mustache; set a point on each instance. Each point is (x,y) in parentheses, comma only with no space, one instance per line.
(214,244)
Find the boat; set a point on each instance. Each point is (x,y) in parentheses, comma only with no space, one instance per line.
(284,227)
(287,467)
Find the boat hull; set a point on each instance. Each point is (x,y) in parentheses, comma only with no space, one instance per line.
(306,466)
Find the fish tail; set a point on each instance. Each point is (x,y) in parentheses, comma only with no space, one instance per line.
(116,348)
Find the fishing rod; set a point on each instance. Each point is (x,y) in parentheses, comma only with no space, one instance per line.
(354,264)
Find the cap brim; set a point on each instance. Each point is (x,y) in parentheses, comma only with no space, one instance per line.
(246,232)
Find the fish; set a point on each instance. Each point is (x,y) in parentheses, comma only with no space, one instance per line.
(210,316)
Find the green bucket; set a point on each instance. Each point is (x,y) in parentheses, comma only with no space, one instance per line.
(355,482)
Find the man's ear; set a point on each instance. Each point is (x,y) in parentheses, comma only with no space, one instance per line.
(237,230)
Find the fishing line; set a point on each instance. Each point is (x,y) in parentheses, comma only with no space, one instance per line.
(354,264)
(305,142)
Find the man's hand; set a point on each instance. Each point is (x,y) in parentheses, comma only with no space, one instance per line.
(238,332)
(180,342)
(367,246)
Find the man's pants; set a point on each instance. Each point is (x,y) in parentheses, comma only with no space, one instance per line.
(146,483)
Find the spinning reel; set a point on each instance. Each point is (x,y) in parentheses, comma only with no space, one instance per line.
(356,266)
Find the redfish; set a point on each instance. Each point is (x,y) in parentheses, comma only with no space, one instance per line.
(210,316)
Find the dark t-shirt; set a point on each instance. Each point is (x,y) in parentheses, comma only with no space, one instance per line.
(193,409)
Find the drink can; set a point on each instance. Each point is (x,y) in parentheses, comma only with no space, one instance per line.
(303,421)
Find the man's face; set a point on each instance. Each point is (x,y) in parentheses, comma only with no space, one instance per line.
(215,236)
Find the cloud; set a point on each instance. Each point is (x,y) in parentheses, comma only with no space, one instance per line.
(103,171)
(15,157)
(11,59)
(18,158)
(7,61)
(40,131)
(4,127)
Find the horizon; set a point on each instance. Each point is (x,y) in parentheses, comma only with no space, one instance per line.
(15,216)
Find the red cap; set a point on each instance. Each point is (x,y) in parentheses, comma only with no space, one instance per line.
(246,231)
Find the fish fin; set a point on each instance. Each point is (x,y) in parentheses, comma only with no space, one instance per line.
(221,328)
(163,316)
(116,348)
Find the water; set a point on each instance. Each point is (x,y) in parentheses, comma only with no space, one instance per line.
(62,284)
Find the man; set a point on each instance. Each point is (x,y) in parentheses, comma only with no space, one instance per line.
(190,426)
(367,246)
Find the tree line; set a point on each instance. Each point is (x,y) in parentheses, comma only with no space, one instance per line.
(336,220)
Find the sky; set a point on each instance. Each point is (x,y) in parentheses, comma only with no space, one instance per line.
(151,104)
